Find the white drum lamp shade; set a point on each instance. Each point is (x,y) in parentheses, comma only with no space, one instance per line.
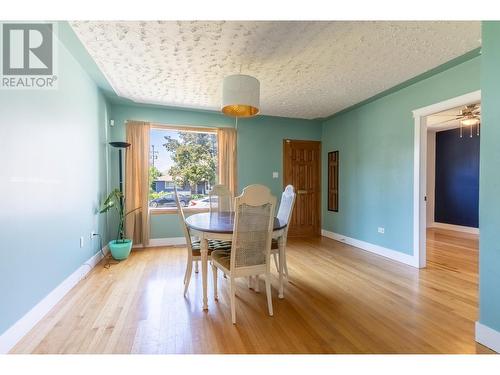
(240,96)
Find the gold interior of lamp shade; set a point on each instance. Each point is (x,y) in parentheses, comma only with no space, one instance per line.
(240,110)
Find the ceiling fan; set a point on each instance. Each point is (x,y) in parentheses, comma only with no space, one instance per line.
(470,115)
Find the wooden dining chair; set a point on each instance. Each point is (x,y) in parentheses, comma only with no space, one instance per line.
(221,199)
(251,242)
(194,245)
(284,215)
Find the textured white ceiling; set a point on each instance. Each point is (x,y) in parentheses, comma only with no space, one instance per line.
(444,120)
(306,69)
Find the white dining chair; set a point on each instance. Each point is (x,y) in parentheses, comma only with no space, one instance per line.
(221,199)
(194,246)
(284,215)
(251,242)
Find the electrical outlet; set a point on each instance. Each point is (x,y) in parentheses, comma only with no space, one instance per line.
(381,230)
(81,241)
(275,175)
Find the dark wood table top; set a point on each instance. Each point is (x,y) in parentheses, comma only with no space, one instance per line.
(219,222)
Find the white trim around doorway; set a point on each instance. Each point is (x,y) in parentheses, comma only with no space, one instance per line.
(420,167)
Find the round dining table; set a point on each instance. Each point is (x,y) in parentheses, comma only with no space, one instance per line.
(219,226)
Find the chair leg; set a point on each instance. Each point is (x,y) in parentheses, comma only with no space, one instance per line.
(214,270)
(284,264)
(189,270)
(281,271)
(196,266)
(275,256)
(256,281)
(268,294)
(233,300)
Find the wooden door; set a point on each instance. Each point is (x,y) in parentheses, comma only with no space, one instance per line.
(302,169)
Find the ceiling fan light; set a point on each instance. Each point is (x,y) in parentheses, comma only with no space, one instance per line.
(470,121)
(240,96)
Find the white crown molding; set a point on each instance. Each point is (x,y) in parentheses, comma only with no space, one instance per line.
(376,249)
(488,337)
(19,329)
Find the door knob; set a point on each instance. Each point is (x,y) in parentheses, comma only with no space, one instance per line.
(301,191)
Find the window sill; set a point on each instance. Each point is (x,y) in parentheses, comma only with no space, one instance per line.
(173,211)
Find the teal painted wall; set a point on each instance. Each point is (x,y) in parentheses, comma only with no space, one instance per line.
(375,142)
(489,178)
(53,175)
(259,146)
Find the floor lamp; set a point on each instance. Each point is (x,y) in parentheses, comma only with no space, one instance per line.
(120,146)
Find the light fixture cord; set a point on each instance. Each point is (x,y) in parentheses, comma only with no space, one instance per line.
(236,125)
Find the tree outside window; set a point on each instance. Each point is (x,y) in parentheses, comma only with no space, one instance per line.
(186,159)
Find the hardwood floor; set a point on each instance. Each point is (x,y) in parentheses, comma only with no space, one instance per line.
(339,300)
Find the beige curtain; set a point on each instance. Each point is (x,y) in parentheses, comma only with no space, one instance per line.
(137,182)
(227,159)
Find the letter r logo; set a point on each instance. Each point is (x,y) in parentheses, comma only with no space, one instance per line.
(27,49)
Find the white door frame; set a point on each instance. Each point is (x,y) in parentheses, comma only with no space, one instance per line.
(420,168)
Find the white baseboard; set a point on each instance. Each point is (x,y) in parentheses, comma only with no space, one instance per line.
(376,249)
(458,228)
(19,329)
(157,242)
(488,337)
(171,241)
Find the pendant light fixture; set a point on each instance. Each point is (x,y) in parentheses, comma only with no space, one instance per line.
(471,121)
(240,96)
(469,116)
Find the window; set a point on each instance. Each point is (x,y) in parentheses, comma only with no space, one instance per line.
(183,158)
(333,181)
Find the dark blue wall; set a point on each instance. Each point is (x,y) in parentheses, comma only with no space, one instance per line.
(457,178)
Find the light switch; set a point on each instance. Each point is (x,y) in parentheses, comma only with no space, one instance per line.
(275,174)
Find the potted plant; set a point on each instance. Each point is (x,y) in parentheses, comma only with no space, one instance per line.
(121,246)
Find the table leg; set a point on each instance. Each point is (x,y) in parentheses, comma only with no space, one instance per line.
(281,250)
(204,270)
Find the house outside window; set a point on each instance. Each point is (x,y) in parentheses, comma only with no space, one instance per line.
(184,158)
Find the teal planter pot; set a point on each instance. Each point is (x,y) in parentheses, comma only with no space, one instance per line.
(120,250)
